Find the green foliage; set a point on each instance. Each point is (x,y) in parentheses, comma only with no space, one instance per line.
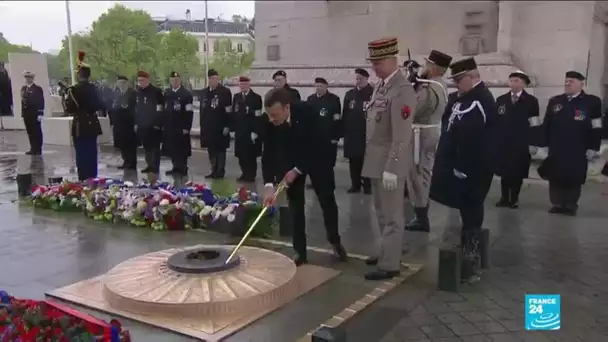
(179,52)
(227,61)
(54,67)
(6,48)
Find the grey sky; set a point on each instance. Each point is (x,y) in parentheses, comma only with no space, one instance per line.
(43,23)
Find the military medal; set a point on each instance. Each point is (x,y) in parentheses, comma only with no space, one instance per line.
(579,115)
(405,112)
(247,109)
(557,108)
(236,107)
(323,112)
(214,102)
(177,106)
(351,105)
(502,109)
(365,105)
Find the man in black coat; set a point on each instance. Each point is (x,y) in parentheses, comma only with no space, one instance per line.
(32,111)
(327,106)
(177,125)
(6,92)
(517,132)
(572,129)
(122,116)
(280,81)
(149,122)
(293,148)
(247,125)
(354,114)
(216,108)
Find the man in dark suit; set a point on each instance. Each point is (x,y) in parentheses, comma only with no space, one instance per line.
(294,149)
(32,110)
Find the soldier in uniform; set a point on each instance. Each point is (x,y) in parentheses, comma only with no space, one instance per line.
(432,98)
(280,81)
(463,169)
(84,103)
(6,92)
(387,153)
(215,117)
(517,129)
(329,109)
(149,122)
(572,129)
(247,126)
(177,125)
(123,123)
(32,110)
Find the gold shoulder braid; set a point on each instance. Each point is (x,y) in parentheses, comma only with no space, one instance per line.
(71,102)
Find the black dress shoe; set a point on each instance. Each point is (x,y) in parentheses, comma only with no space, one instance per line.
(503,203)
(29,153)
(371,261)
(556,210)
(171,172)
(210,176)
(300,260)
(146,169)
(381,275)
(121,167)
(367,191)
(569,212)
(353,190)
(340,252)
(514,205)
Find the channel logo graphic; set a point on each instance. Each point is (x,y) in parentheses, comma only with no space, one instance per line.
(543,312)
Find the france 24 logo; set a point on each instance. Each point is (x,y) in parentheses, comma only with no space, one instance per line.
(543,312)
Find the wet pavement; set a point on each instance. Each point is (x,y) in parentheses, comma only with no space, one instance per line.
(532,252)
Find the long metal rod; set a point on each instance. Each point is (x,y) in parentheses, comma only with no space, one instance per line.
(281,187)
(70,48)
(207,47)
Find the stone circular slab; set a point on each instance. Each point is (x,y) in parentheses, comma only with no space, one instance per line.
(147,285)
(202,260)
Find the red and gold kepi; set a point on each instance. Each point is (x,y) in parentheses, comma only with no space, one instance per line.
(383,48)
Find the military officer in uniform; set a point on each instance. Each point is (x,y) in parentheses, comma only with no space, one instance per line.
(280,81)
(432,98)
(84,103)
(572,129)
(248,124)
(149,122)
(517,132)
(177,125)
(387,153)
(329,109)
(6,92)
(32,111)
(215,117)
(354,112)
(123,123)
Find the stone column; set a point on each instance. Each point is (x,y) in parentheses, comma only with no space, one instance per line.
(505,26)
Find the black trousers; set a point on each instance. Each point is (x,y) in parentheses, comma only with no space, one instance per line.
(355,166)
(510,189)
(151,140)
(324,186)
(249,167)
(34,132)
(129,156)
(564,196)
(180,163)
(472,217)
(217,159)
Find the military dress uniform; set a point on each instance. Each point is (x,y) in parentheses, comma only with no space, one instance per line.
(572,128)
(518,128)
(6,92)
(388,158)
(149,122)
(215,121)
(247,126)
(32,111)
(432,98)
(122,114)
(329,110)
(354,113)
(176,128)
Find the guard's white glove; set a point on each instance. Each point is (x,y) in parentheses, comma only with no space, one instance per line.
(226,131)
(232,134)
(532,150)
(253,137)
(334,142)
(185,131)
(134,128)
(591,154)
(459,174)
(39,118)
(543,152)
(389,181)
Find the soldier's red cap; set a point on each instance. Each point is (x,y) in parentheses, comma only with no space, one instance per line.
(383,48)
(143,74)
(244,79)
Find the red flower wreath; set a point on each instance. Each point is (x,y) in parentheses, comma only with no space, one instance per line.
(405,112)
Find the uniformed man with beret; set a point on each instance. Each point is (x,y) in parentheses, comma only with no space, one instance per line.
(517,133)
(387,153)
(329,109)
(354,112)
(177,125)
(122,114)
(280,81)
(84,103)
(573,128)
(432,98)
(215,118)
(32,111)
(149,122)
(6,92)
(249,121)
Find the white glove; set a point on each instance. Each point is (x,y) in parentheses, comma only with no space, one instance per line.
(134,128)
(543,152)
(389,181)
(185,131)
(459,174)
(39,118)
(591,154)
(532,150)
(253,137)
(226,131)
(334,142)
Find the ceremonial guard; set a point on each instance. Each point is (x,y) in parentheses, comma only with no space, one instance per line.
(432,98)
(517,133)
(84,103)
(327,106)
(32,110)
(177,126)
(215,119)
(149,122)
(248,124)
(463,169)
(280,81)
(122,115)
(354,112)
(572,128)
(387,154)
(6,92)
(293,148)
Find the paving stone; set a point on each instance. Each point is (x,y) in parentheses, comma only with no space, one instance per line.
(449,318)
(436,331)
(513,324)
(425,319)
(504,337)
(464,329)
(500,314)
(475,316)
(532,336)
(489,327)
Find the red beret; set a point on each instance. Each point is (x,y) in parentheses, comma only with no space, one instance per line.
(244,79)
(142,74)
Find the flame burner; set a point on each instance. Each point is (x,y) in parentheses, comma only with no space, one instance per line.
(202,260)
